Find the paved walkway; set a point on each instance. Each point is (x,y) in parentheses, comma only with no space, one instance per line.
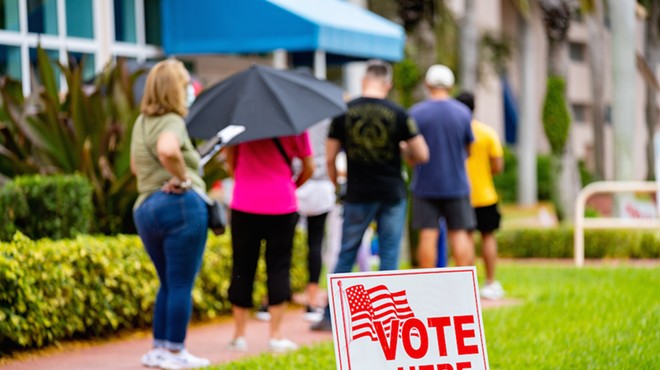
(204,340)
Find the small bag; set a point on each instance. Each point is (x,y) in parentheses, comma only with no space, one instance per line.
(217,217)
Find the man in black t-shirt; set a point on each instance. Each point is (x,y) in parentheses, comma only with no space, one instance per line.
(375,134)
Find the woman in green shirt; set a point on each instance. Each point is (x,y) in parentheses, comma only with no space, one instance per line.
(170,218)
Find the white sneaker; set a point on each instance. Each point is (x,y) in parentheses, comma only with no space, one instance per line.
(263,314)
(492,291)
(183,360)
(313,314)
(282,345)
(238,344)
(155,357)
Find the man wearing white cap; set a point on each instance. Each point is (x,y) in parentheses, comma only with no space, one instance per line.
(440,187)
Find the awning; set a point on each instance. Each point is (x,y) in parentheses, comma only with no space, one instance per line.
(260,26)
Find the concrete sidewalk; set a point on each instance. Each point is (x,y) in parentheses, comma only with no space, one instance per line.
(206,340)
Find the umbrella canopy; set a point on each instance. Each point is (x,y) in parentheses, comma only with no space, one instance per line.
(268,102)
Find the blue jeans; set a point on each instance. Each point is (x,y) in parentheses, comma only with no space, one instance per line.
(173,229)
(390,219)
(389,216)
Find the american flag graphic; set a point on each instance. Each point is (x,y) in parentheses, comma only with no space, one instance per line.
(376,304)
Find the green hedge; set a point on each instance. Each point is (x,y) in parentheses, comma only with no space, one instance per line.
(94,286)
(506,183)
(558,243)
(56,207)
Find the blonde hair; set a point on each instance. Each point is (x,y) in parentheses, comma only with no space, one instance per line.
(165,89)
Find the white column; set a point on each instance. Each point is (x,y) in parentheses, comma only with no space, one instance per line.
(25,49)
(319,64)
(140,31)
(528,123)
(353,73)
(104,32)
(280,59)
(623,86)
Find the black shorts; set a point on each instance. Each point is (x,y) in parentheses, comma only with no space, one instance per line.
(488,218)
(458,213)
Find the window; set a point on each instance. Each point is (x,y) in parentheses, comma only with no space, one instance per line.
(42,16)
(9,15)
(152,21)
(87,60)
(10,61)
(125,21)
(79,19)
(577,51)
(579,112)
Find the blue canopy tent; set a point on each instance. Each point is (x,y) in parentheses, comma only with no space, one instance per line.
(331,27)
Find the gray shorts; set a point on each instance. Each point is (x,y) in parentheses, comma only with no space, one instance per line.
(458,213)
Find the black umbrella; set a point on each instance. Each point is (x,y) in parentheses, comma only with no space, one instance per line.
(268,102)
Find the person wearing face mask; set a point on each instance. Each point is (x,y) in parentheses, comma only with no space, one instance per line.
(170,216)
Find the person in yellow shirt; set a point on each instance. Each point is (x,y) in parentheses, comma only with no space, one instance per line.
(485,160)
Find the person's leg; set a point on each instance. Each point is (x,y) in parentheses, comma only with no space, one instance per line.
(489,252)
(390,220)
(459,214)
(153,243)
(488,221)
(184,246)
(425,218)
(357,217)
(315,232)
(279,233)
(246,236)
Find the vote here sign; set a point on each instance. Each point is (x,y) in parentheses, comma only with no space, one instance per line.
(426,319)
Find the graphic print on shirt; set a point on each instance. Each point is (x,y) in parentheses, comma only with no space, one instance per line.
(369,138)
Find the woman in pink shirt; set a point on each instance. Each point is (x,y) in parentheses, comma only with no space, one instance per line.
(264,207)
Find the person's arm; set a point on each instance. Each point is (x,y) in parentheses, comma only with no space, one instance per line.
(415,150)
(133,169)
(496,165)
(307,170)
(230,160)
(170,156)
(332,148)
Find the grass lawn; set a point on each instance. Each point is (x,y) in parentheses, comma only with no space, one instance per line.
(605,317)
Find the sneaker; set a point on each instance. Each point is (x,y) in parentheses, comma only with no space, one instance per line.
(183,360)
(313,314)
(492,291)
(155,357)
(281,345)
(323,325)
(263,314)
(237,344)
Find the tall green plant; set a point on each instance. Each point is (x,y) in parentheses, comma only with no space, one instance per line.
(83,130)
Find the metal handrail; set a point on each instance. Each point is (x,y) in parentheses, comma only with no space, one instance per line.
(608,222)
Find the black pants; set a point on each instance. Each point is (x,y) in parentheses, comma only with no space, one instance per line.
(247,232)
(315,232)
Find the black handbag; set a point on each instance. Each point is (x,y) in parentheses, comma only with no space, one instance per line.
(217,214)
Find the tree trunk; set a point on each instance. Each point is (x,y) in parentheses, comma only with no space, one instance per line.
(594,21)
(653,60)
(529,116)
(469,48)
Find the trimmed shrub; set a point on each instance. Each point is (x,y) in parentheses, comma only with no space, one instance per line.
(506,182)
(558,243)
(58,206)
(95,286)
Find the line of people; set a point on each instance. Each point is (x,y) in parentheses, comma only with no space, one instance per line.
(376,135)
